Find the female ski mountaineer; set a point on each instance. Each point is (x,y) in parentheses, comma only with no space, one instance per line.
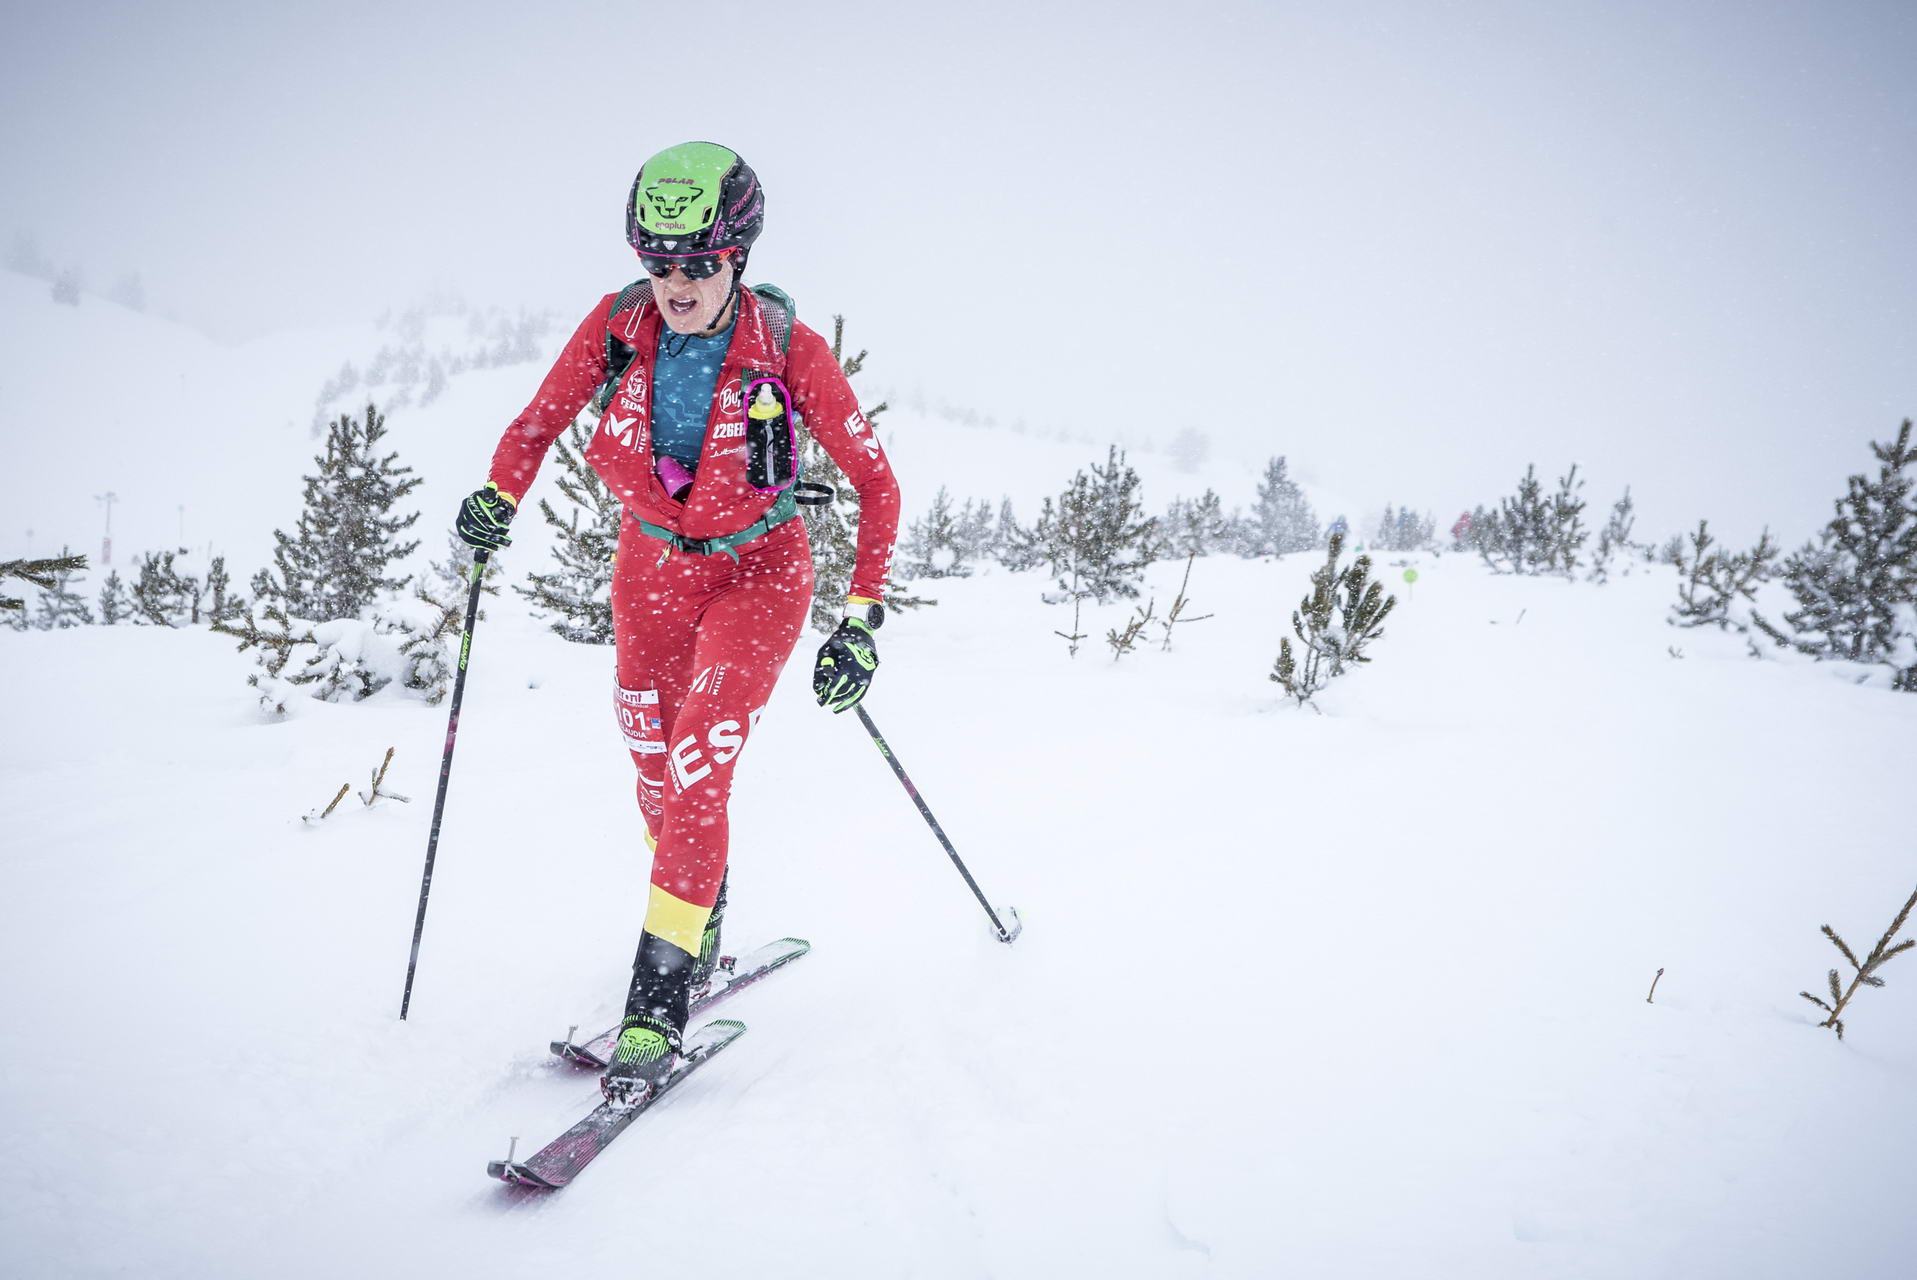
(703,384)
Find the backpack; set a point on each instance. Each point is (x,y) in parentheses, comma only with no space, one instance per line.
(772,442)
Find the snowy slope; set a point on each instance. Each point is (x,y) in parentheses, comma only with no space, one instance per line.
(1352,994)
(210,441)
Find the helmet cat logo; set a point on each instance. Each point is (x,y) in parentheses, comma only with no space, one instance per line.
(671,201)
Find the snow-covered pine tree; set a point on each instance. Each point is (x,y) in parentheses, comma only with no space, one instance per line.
(1281,519)
(1614,539)
(115,607)
(162,595)
(340,557)
(1096,536)
(1328,647)
(222,604)
(1385,536)
(1015,545)
(60,606)
(1004,530)
(1856,584)
(1710,581)
(1520,536)
(977,532)
(1195,526)
(933,544)
(1568,533)
(577,595)
(276,637)
(429,630)
(833,527)
(452,576)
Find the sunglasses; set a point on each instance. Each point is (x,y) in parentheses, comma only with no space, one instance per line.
(703,267)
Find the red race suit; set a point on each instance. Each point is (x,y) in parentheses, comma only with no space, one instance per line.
(701,639)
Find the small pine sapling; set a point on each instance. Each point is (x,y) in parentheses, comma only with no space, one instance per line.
(222,605)
(1095,533)
(578,593)
(1710,581)
(60,605)
(1078,597)
(1866,972)
(1568,533)
(1016,545)
(1614,538)
(426,650)
(276,637)
(1124,639)
(379,778)
(1179,603)
(935,546)
(320,815)
(1281,519)
(162,595)
(834,533)
(115,608)
(1329,646)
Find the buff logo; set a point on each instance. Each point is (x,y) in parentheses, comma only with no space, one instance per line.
(669,199)
(731,400)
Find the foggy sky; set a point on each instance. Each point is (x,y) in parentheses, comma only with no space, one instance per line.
(1411,246)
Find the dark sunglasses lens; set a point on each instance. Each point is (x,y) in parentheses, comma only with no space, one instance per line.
(701,268)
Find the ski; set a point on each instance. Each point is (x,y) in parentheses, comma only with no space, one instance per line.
(559,1161)
(731,975)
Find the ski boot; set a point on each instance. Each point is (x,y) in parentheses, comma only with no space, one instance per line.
(642,1058)
(657,1008)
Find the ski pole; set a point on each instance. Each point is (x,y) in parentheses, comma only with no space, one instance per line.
(1004,934)
(480,557)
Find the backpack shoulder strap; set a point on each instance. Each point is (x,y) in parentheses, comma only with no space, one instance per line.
(780,311)
(619,352)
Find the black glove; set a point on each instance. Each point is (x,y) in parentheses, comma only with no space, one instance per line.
(846,662)
(483,518)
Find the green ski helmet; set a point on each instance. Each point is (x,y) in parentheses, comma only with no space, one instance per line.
(694,199)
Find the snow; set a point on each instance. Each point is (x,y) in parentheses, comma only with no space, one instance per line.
(1358,993)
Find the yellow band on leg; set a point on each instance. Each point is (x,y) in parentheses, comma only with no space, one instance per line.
(676,921)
